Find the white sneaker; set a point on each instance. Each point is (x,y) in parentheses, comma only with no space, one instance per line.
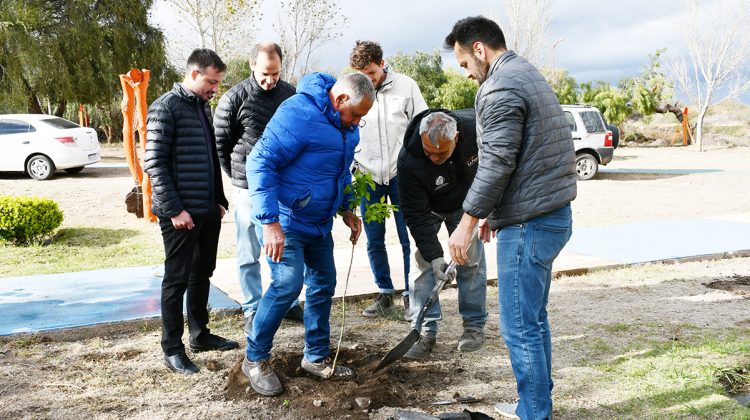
(506,409)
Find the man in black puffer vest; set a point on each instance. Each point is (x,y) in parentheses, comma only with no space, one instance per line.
(188,197)
(241,117)
(436,167)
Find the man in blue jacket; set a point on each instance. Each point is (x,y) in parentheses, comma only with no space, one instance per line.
(297,173)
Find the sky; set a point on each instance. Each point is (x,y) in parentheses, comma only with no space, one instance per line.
(600,40)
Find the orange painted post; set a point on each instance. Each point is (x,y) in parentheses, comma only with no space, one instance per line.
(685,127)
(134,109)
(141,88)
(128,143)
(80,115)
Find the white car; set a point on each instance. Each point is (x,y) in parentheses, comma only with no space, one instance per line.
(593,139)
(40,144)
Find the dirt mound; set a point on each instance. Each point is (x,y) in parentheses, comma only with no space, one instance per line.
(740,285)
(404,384)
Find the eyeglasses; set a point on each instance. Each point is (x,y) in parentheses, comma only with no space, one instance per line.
(362,123)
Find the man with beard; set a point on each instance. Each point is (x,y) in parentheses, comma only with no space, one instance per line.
(523,188)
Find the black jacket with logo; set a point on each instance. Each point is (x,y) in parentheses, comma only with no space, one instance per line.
(426,188)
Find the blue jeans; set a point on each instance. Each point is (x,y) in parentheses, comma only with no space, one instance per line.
(524,270)
(248,253)
(307,259)
(375,232)
(472,286)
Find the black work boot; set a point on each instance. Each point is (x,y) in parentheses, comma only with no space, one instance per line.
(262,377)
(382,302)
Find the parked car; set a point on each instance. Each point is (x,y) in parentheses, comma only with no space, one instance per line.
(592,137)
(40,144)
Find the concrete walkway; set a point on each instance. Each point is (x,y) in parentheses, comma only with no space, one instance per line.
(38,303)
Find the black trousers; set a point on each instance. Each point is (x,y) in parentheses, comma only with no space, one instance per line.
(190,260)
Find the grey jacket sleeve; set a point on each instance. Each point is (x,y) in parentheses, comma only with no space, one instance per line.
(501,113)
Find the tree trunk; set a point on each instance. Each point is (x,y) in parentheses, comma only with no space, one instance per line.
(60,110)
(34,106)
(699,127)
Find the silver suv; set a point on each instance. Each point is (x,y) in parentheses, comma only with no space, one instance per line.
(592,137)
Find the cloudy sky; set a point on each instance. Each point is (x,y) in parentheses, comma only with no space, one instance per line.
(601,40)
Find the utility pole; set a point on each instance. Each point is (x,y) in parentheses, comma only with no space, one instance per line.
(553,51)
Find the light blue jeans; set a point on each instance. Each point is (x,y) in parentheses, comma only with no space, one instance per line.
(248,253)
(307,260)
(375,232)
(525,253)
(472,285)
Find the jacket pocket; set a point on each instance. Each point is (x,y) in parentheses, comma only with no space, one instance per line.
(302,201)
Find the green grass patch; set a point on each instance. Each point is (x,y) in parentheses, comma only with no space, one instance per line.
(80,249)
(667,379)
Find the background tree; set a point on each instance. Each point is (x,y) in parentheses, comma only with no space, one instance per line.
(717,66)
(564,85)
(426,69)
(57,52)
(458,92)
(225,26)
(303,27)
(650,89)
(525,24)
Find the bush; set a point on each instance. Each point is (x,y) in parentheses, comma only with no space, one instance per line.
(25,220)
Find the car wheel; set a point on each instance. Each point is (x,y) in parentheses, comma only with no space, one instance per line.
(74,170)
(586,166)
(40,167)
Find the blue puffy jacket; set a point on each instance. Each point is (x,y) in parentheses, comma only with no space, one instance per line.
(299,168)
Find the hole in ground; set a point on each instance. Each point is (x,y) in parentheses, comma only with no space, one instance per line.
(403,384)
(740,285)
(736,381)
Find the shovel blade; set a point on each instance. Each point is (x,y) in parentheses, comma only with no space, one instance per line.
(398,351)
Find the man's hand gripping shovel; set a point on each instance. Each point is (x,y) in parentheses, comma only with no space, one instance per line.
(401,348)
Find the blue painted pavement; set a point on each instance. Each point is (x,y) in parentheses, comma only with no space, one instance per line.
(38,303)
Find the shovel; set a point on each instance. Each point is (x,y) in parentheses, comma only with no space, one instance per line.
(401,348)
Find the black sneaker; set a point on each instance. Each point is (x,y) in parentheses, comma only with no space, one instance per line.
(382,302)
(213,342)
(180,363)
(295,313)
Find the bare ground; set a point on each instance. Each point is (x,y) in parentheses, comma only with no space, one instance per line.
(116,371)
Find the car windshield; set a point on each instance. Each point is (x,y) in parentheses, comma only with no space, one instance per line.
(60,123)
(592,121)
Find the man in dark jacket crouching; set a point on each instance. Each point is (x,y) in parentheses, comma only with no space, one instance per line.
(436,167)
(188,197)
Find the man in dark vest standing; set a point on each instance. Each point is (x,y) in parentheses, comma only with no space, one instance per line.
(241,116)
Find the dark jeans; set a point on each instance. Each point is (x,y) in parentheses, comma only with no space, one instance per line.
(190,259)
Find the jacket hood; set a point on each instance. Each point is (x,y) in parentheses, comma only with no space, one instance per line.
(316,86)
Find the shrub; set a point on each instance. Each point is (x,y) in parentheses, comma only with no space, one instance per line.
(25,220)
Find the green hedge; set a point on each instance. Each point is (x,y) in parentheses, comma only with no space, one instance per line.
(25,220)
